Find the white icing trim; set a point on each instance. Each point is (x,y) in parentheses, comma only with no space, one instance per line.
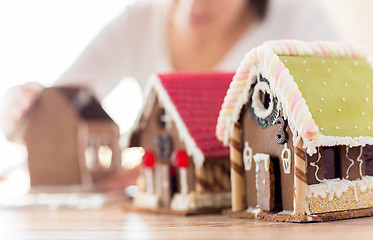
(284,212)
(257,104)
(146,108)
(146,200)
(262,157)
(286,161)
(255,211)
(149,181)
(314,164)
(193,200)
(183,180)
(247,156)
(351,163)
(329,141)
(360,161)
(331,188)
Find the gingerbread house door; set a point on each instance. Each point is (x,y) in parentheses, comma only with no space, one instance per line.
(265,182)
(164,184)
(164,147)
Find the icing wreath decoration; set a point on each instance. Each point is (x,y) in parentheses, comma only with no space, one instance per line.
(262,104)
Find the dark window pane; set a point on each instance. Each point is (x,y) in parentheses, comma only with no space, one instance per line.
(331,162)
(368,156)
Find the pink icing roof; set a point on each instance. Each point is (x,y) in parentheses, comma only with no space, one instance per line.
(197,98)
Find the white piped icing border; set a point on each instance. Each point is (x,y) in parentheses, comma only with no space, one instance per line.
(265,59)
(331,188)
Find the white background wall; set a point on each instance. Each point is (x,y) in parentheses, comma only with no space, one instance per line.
(353,19)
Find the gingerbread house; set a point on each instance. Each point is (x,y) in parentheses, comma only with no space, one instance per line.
(70,139)
(298,118)
(185,168)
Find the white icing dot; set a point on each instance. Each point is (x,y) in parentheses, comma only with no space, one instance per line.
(323,61)
(321,129)
(324,83)
(301,80)
(343,99)
(355,127)
(355,63)
(335,62)
(368,127)
(304,61)
(363,113)
(328,69)
(346,84)
(322,99)
(349,71)
(336,127)
(307,69)
(366,99)
(339,109)
(368,85)
(320,110)
(285,60)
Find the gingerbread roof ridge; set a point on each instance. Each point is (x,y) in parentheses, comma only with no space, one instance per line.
(285,88)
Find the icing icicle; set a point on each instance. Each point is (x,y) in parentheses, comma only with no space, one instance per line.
(315,164)
(286,159)
(351,163)
(360,161)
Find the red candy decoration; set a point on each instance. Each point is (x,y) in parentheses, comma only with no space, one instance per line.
(148,159)
(180,158)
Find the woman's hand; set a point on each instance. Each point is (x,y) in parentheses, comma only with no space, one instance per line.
(16,104)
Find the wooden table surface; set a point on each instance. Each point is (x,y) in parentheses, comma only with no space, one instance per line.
(112,222)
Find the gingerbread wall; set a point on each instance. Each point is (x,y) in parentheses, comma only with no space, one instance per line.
(51,139)
(262,140)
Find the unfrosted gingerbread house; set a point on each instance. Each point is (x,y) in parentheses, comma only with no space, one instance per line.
(185,168)
(70,139)
(298,118)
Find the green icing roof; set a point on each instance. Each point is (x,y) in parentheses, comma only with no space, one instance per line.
(338,91)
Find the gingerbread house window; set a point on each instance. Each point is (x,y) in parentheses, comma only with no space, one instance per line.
(265,99)
(98,154)
(368,156)
(164,119)
(105,155)
(164,146)
(331,162)
(91,155)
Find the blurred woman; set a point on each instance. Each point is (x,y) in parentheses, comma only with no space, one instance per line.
(177,35)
